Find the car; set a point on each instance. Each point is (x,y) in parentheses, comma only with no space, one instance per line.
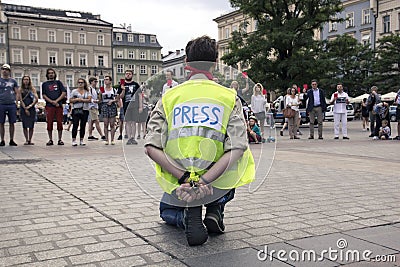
(329,113)
(392,113)
(41,110)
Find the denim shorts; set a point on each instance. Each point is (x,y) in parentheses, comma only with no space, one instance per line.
(10,110)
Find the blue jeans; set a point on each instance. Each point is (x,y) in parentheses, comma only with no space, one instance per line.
(173,215)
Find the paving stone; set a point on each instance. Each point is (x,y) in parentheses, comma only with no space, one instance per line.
(49,263)
(57,253)
(103,246)
(242,257)
(131,251)
(91,257)
(387,236)
(128,261)
(320,243)
(30,248)
(71,242)
(15,260)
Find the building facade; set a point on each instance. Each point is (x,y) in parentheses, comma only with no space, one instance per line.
(175,61)
(387,13)
(75,44)
(359,23)
(365,20)
(139,52)
(227,24)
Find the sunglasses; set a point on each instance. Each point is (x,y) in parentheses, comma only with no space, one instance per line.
(81,82)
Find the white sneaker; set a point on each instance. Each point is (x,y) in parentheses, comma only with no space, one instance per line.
(375,138)
(74,143)
(81,143)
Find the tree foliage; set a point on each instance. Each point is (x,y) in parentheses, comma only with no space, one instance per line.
(386,68)
(345,60)
(282,49)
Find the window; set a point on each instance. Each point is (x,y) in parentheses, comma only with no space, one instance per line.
(17,56)
(181,71)
(118,37)
(120,68)
(52,58)
(2,38)
(2,57)
(18,77)
(16,33)
(100,60)
(32,35)
(350,20)
(227,76)
(366,39)
(130,38)
(69,79)
(68,59)
(133,68)
(82,60)
(67,38)
(143,69)
(52,36)
(142,55)
(153,55)
(366,16)
(386,24)
(227,33)
(34,57)
(120,54)
(142,38)
(131,54)
(82,38)
(398,23)
(100,39)
(153,39)
(154,70)
(333,25)
(35,80)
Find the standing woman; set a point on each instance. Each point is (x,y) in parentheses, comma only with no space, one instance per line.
(109,100)
(258,103)
(29,98)
(80,99)
(365,114)
(293,102)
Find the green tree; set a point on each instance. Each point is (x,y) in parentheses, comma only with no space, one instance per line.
(345,60)
(386,70)
(282,49)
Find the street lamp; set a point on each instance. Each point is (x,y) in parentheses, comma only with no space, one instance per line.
(374,5)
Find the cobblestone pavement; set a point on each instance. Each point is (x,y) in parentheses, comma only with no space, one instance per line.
(83,206)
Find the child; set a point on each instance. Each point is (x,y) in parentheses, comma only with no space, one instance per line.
(253,131)
(384,131)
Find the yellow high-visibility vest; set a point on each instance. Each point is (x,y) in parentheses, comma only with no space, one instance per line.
(197,114)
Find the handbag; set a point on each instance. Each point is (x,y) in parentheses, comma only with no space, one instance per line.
(288,113)
(78,111)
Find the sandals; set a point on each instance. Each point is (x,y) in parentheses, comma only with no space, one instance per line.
(50,143)
(60,143)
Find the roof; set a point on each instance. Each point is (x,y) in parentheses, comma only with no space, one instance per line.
(178,54)
(52,14)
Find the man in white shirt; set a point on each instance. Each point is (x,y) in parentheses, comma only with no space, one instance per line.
(340,99)
(170,82)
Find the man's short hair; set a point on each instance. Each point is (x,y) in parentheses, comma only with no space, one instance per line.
(201,49)
(374,88)
(91,79)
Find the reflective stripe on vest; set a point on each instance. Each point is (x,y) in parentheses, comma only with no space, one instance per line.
(197,114)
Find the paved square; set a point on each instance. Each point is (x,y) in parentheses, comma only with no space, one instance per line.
(68,206)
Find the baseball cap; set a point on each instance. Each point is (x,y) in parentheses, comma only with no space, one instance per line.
(6,66)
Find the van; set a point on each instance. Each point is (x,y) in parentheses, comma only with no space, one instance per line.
(329,113)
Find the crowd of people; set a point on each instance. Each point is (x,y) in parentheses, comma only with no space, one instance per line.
(87,104)
(126,108)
